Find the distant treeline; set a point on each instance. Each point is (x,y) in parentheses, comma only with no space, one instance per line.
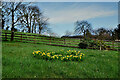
(89,33)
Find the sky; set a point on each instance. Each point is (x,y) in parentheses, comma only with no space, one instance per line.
(62,0)
(63,15)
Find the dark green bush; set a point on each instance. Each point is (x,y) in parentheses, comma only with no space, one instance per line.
(83,45)
(108,47)
(92,43)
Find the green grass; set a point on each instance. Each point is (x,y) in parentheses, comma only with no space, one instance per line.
(18,62)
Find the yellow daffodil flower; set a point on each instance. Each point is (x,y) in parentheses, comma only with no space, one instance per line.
(70,55)
(80,57)
(33,53)
(67,56)
(75,56)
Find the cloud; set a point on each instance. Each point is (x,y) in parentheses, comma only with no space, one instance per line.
(72,14)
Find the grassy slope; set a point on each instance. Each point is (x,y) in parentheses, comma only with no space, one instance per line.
(18,61)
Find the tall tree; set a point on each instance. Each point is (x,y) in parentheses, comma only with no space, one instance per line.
(104,34)
(117,32)
(32,18)
(5,15)
(11,9)
(82,27)
(88,34)
(42,25)
(26,20)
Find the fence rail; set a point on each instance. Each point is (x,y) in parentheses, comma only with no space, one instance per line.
(66,42)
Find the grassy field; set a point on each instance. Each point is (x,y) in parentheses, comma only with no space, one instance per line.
(18,62)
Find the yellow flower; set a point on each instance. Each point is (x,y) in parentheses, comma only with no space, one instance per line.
(36,52)
(70,55)
(53,56)
(60,55)
(33,53)
(75,56)
(43,54)
(67,56)
(48,53)
(80,57)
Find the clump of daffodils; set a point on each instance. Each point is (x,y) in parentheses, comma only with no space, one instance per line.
(69,55)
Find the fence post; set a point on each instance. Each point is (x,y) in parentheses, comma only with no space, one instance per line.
(80,40)
(5,36)
(100,45)
(64,41)
(50,40)
(112,44)
(34,38)
(21,37)
(118,46)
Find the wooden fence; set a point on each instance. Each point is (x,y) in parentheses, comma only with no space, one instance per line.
(38,39)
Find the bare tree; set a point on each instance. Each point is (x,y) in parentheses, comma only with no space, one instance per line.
(82,27)
(24,17)
(4,15)
(33,19)
(101,32)
(11,9)
(42,24)
(27,13)
(88,34)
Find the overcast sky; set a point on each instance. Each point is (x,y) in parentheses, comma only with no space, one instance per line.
(63,15)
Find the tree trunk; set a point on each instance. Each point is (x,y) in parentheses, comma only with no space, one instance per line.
(30,24)
(39,29)
(12,29)
(3,23)
(84,34)
(29,29)
(32,28)
(35,29)
(33,25)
